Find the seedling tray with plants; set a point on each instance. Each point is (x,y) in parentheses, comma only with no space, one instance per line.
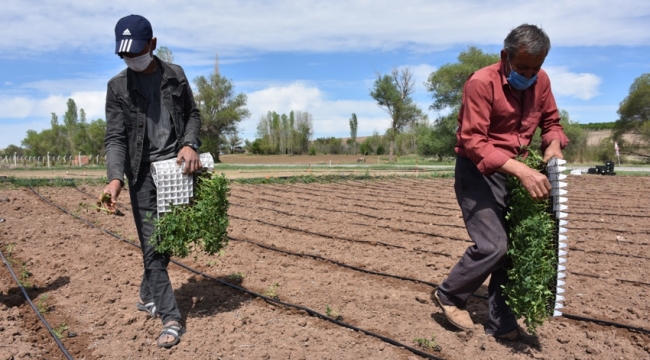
(537,246)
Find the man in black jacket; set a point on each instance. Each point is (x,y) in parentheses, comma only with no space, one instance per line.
(150,116)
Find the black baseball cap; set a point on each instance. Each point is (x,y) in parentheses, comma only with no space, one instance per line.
(132,33)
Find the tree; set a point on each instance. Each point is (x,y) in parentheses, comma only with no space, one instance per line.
(221,110)
(446,87)
(234,140)
(446,84)
(353,132)
(282,134)
(70,123)
(634,110)
(165,54)
(393,94)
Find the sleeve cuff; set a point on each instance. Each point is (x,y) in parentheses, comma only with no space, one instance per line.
(492,162)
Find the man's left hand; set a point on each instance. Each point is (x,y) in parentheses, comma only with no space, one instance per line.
(553,150)
(190,158)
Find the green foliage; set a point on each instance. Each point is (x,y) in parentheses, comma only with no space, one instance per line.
(58,331)
(532,253)
(438,140)
(202,226)
(272,291)
(446,87)
(41,304)
(74,136)
(354,124)
(374,145)
(282,134)
(165,54)
(330,312)
(446,83)
(329,145)
(24,275)
(598,126)
(428,344)
(634,110)
(221,110)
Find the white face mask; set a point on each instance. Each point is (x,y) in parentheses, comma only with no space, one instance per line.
(139,63)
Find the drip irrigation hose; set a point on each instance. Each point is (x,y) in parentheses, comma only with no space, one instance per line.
(608,278)
(345,238)
(40,316)
(339,211)
(254,294)
(318,257)
(566,315)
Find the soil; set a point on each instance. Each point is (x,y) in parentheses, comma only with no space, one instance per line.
(89,281)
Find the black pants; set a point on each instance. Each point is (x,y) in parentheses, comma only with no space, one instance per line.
(482,199)
(155,285)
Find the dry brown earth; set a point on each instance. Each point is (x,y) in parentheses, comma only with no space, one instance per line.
(406,227)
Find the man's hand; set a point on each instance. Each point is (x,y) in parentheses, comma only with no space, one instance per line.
(113,189)
(553,150)
(532,180)
(191,159)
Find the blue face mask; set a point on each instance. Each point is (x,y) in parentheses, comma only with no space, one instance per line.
(519,82)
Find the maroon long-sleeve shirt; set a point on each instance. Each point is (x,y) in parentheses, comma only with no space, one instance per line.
(493,125)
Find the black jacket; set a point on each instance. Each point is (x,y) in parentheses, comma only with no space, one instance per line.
(126,118)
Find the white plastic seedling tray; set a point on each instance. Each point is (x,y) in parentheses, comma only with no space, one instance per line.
(554,170)
(171,185)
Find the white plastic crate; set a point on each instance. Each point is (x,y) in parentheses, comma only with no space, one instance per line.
(172,186)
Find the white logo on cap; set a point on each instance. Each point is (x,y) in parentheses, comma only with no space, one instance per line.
(126,32)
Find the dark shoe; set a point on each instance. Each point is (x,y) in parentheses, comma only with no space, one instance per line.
(458,317)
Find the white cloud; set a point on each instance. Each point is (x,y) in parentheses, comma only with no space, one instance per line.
(92,102)
(582,86)
(330,116)
(234,28)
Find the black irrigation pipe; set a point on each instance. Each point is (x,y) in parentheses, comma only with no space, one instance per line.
(370,225)
(344,265)
(40,316)
(607,278)
(608,213)
(369,242)
(254,294)
(314,313)
(343,211)
(609,253)
(384,194)
(568,316)
(606,322)
(358,199)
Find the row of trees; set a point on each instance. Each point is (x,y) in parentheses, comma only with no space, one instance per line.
(283,134)
(75,135)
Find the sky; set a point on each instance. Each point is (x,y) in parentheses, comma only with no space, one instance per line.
(309,55)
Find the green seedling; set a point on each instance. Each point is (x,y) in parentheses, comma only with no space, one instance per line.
(201,226)
(58,331)
(428,344)
(41,304)
(272,291)
(330,312)
(24,274)
(104,204)
(531,236)
(236,278)
(9,249)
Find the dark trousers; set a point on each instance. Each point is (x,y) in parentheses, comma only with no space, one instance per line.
(482,199)
(155,285)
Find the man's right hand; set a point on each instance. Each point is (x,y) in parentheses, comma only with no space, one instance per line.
(532,180)
(113,188)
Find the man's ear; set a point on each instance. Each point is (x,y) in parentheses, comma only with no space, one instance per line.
(153,44)
(504,56)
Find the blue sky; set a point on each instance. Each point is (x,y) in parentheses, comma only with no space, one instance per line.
(315,56)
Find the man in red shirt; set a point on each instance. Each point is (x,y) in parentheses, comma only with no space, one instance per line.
(502,106)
